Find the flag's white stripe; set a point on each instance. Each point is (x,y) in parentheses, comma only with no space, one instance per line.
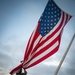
(53,28)
(68,17)
(43,54)
(36,41)
(31,39)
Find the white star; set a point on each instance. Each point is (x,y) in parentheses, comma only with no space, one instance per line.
(58,18)
(41,27)
(48,12)
(48,16)
(55,11)
(55,7)
(44,27)
(44,24)
(48,24)
(51,23)
(47,30)
(52,8)
(51,20)
(50,27)
(49,9)
(54,19)
(51,12)
(55,15)
(58,14)
(48,20)
(52,4)
(41,31)
(47,27)
(54,23)
(51,16)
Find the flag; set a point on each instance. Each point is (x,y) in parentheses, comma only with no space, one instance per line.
(45,39)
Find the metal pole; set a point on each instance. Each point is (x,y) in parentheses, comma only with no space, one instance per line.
(57,70)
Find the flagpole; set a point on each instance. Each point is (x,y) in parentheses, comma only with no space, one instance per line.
(57,70)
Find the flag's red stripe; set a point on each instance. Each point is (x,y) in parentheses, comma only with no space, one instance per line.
(37,46)
(27,48)
(66,19)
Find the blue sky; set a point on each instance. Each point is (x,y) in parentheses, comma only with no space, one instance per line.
(18,19)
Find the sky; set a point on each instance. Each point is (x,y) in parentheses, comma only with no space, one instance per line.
(18,19)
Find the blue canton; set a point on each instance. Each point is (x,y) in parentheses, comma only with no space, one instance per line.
(49,18)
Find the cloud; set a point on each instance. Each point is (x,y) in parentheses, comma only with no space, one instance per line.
(4,71)
(11,53)
(41,69)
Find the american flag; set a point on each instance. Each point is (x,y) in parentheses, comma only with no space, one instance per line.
(45,39)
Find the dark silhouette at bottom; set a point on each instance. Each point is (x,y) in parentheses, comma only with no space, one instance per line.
(20,72)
